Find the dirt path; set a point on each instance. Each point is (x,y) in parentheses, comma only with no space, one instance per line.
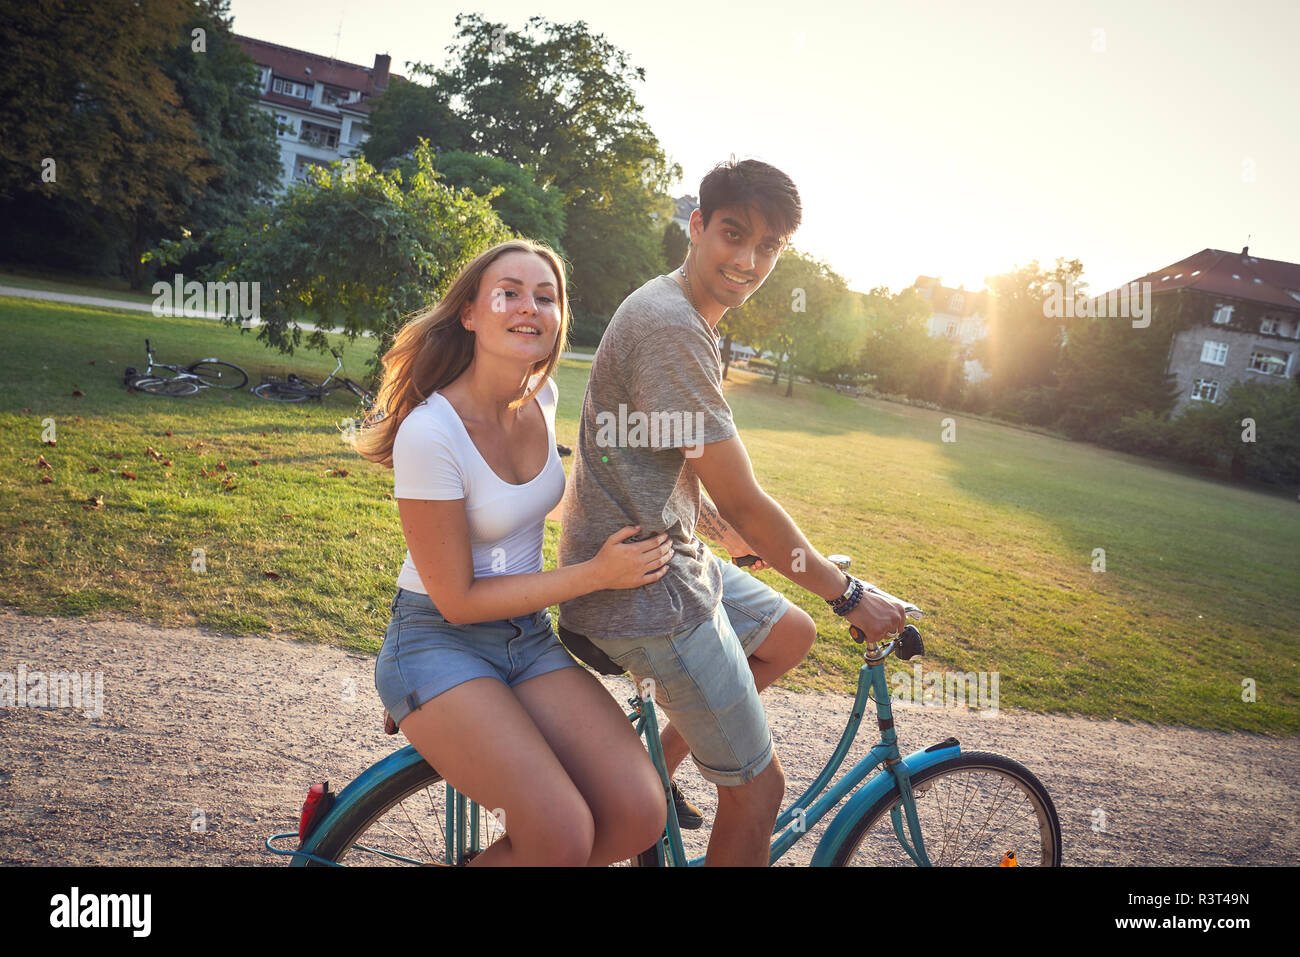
(236,729)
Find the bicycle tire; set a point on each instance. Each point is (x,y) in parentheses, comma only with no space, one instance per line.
(216,374)
(371,824)
(1035,839)
(365,826)
(280,392)
(157,385)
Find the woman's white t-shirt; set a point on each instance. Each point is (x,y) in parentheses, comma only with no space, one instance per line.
(434,458)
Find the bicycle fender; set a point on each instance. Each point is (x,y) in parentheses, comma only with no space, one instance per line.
(359,787)
(874,790)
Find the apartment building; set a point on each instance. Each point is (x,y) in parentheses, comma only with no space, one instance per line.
(1241,321)
(959,315)
(321,105)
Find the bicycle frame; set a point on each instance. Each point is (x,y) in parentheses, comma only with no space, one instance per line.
(795,821)
(463,815)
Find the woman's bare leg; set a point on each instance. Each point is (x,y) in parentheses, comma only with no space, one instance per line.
(598,747)
(481,739)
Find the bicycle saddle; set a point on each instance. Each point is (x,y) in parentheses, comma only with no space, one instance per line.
(580,647)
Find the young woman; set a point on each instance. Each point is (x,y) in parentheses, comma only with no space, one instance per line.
(471,668)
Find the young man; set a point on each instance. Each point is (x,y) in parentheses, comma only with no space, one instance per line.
(655,426)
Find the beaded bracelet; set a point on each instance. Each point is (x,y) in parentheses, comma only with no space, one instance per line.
(845,604)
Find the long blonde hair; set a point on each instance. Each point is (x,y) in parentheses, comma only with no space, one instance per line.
(432,349)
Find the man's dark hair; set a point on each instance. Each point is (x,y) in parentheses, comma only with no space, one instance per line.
(756,184)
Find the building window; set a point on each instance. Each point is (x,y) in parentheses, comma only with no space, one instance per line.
(1266,324)
(318,135)
(951,331)
(1205,390)
(1268,362)
(1215,353)
(282,124)
(289,88)
(956,301)
(332,95)
(1222,314)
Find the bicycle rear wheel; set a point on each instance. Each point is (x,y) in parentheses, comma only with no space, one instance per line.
(157,385)
(403,820)
(219,375)
(972,809)
(280,392)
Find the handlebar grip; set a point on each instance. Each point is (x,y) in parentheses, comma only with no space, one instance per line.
(147,347)
(858,635)
(744,561)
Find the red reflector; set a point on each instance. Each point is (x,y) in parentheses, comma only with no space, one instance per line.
(311,807)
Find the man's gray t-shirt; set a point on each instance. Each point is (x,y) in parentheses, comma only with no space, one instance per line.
(654,398)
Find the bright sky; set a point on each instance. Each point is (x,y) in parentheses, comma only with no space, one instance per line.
(942,137)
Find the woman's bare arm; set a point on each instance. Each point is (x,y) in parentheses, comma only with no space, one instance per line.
(437,533)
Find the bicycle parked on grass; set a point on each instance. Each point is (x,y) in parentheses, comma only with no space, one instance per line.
(936,806)
(295,389)
(185,380)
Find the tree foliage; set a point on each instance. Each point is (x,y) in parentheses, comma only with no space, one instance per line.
(141,129)
(356,250)
(559,101)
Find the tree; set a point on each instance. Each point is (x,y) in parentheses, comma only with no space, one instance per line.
(219,89)
(675,243)
(407,113)
(802,311)
(1109,369)
(524,206)
(901,355)
(561,100)
(94,126)
(1024,343)
(358,249)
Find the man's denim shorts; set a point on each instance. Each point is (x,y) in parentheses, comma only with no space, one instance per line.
(424,655)
(702,679)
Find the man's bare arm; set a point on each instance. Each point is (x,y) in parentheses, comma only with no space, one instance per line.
(725,471)
(711,525)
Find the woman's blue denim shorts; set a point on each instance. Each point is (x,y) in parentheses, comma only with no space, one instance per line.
(424,654)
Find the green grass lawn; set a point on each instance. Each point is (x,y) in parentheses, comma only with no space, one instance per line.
(993,535)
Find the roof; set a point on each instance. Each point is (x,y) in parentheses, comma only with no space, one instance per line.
(1238,275)
(940,295)
(293,65)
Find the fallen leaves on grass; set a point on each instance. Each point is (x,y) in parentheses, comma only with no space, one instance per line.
(274,576)
(46,480)
(41,463)
(126,475)
(337,473)
(77,393)
(93,468)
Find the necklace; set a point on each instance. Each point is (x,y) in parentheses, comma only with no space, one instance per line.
(689,295)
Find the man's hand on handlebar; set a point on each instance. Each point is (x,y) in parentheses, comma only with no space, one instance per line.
(879,617)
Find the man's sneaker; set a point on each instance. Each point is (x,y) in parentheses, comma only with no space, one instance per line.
(689,817)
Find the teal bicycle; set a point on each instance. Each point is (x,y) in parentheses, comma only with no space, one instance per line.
(937,806)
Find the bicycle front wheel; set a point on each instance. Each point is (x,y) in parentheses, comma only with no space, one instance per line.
(219,375)
(157,385)
(280,392)
(973,809)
